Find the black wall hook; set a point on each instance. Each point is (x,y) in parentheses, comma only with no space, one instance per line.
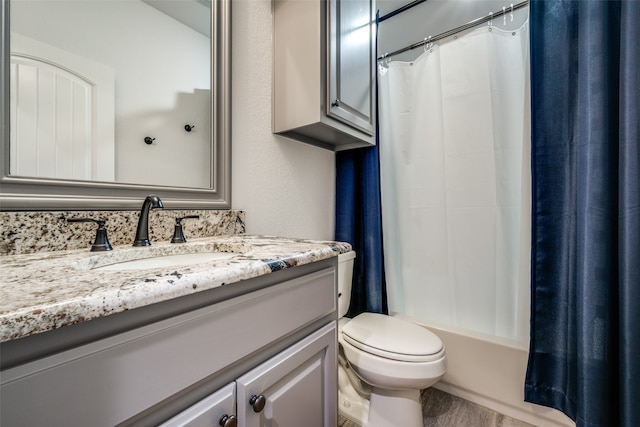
(148,140)
(189,128)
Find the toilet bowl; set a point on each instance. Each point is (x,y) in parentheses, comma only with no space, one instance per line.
(384,363)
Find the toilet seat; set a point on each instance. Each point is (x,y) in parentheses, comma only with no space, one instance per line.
(392,338)
(384,362)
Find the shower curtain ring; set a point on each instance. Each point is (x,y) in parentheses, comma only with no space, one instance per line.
(511,14)
(427,44)
(504,15)
(490,22)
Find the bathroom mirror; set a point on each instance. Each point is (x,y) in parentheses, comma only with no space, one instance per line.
(105,102)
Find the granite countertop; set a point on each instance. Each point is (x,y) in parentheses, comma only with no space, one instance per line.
(45,291)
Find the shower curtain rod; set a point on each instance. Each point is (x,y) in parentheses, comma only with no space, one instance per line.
(401,9)
(457,29)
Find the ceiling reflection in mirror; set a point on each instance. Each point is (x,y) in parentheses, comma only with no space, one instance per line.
(111,91)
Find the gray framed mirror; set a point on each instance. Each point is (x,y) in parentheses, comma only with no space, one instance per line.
(91,124)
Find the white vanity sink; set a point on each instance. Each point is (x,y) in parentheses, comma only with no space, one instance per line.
(174,260)
(162,256)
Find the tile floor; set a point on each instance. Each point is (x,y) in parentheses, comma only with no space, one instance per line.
(441,409)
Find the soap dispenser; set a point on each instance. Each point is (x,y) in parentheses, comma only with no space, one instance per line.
(178,234)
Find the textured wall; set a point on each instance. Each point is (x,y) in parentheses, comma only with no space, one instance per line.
(287,188)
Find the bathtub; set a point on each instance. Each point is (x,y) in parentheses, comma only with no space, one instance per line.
(490,371)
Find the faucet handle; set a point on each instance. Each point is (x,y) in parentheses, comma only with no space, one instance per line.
(101,242)
(178,234)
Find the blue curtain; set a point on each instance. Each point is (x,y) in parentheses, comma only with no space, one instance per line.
(585,322)
(359,222)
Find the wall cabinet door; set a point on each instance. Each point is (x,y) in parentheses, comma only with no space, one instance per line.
(218,409)
(297,387)
(351,62)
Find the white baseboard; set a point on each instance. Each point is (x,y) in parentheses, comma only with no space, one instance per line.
(527,412)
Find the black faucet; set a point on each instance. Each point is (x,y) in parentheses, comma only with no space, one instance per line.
(142,232)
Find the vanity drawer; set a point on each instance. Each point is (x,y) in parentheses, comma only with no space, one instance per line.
(111,380)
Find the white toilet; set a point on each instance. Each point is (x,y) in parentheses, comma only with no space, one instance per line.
(384,362)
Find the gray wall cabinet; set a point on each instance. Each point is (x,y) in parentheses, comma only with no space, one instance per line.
(324,72)
(276,340)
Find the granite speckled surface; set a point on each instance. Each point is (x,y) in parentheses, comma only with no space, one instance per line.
(30,232)
(48,290)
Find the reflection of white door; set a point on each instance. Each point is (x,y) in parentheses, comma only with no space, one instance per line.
(61,120)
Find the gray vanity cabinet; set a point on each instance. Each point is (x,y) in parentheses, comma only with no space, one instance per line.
(209,411)
(276,338)
(295,388)
(324,72)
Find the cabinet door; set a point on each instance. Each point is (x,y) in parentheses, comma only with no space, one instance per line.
(351,63)
(295,388)
(210,411)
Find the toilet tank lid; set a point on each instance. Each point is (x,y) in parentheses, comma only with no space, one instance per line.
(347,256)
(392,337)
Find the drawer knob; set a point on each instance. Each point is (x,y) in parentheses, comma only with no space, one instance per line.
(258,402)
(229,421)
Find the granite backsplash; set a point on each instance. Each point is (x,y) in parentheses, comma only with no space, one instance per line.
(30,232)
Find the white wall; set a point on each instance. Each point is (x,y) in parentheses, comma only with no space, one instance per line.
(286,187)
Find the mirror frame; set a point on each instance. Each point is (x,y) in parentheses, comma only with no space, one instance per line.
(33,194)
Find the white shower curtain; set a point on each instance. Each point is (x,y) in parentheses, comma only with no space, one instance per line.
(454,160)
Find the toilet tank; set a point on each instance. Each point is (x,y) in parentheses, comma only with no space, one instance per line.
(345,275)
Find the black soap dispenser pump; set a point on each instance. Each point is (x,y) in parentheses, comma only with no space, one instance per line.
(178,234)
